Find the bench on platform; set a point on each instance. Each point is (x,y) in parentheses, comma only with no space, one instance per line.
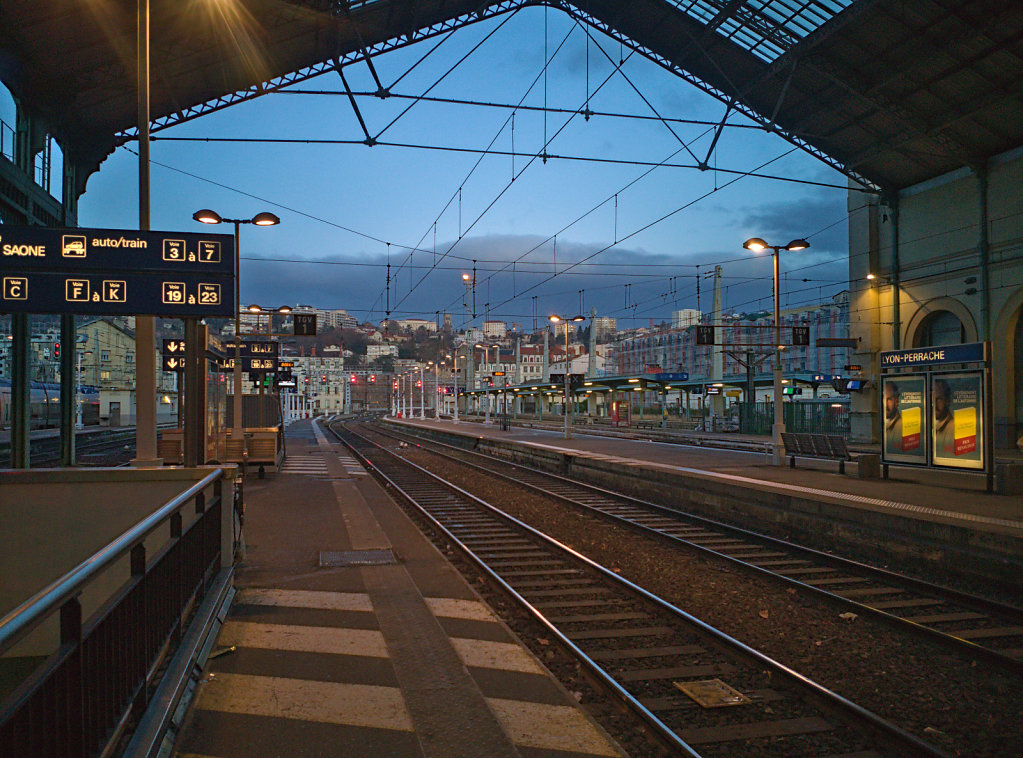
(823,446)
(265,447)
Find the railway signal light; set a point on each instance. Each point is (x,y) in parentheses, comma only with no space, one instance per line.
(353,379)
(323,378)
(307,380)
(56,350)
(373,379)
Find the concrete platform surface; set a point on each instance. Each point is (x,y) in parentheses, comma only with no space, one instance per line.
(398,659)
(934,495)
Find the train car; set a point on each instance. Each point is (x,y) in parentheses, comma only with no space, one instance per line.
(44,405)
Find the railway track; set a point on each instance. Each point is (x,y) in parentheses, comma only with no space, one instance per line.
(45,452)
(699,691)
(968,624)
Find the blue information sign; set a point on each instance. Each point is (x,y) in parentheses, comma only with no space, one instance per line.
(118,293)
(116,272)
(252,365)
(40,248)
(677,377)
(927,356)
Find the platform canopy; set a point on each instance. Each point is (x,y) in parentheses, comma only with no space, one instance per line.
(890,93)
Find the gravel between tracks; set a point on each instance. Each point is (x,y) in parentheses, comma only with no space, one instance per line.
(952,702)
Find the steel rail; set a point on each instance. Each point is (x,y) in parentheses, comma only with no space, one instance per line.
(891,578)
(16,624)
(947,594)
(889,731)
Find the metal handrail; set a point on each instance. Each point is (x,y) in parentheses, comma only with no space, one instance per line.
(30,614)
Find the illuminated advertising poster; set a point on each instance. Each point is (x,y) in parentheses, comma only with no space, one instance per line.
(904,429)
(957,418)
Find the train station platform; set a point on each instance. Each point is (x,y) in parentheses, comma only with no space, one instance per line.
(942,517)
(351,635)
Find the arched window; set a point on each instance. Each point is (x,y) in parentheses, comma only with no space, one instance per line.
(941,328)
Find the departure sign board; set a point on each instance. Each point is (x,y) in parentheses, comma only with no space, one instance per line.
(254,349)
(116,272)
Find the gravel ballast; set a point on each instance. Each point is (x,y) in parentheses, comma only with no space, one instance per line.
(957,704)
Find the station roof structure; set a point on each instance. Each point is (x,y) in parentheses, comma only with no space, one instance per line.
(648,382)
(891,94)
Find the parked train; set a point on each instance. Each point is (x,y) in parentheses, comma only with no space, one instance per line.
(44,400)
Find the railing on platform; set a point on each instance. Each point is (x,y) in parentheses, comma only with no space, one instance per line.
(811,416)
(80,698)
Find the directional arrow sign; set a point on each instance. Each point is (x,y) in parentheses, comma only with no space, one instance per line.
(173,362)
(173,347)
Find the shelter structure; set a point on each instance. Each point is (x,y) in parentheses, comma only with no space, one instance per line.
(916,102)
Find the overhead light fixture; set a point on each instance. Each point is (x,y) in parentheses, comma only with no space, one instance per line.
(206,216)
(265,219)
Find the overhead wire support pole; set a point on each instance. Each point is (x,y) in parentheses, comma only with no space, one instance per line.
(717,134)
(355,107)
(381,90)
(145,333)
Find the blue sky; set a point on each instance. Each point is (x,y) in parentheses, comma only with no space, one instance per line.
(341,204)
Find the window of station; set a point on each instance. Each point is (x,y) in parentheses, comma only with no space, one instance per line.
(941,328)
(104,355)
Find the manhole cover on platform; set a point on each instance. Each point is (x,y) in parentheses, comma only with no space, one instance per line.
(341,558)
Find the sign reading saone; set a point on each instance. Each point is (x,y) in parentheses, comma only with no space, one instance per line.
(116,272)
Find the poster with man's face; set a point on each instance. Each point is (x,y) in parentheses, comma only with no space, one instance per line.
(903,422)
(957,419)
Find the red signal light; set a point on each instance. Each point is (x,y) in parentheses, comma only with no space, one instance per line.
(373,379)
(56,350)
(353,380)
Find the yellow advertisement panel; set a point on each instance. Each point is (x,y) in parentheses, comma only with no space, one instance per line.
(904,428)
(957,418)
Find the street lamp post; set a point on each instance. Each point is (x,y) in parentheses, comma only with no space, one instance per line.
(207,216)
(568,410)
(422,394)
(454,373)
(436,389)
(486,358)
(757,245)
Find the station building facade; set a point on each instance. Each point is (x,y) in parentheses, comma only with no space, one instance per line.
(947,263)
(675,349)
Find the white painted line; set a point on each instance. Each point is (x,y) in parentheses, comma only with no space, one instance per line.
(450,607)
(332,601)
(324,702)
(550,727)
(304,639)
(503,656)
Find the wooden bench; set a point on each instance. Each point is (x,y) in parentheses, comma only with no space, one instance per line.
(824,446)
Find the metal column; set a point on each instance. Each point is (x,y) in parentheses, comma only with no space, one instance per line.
(20,392)
(68,389)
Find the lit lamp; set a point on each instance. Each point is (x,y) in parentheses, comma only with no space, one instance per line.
(206,216)
(568,409)
(757,245)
